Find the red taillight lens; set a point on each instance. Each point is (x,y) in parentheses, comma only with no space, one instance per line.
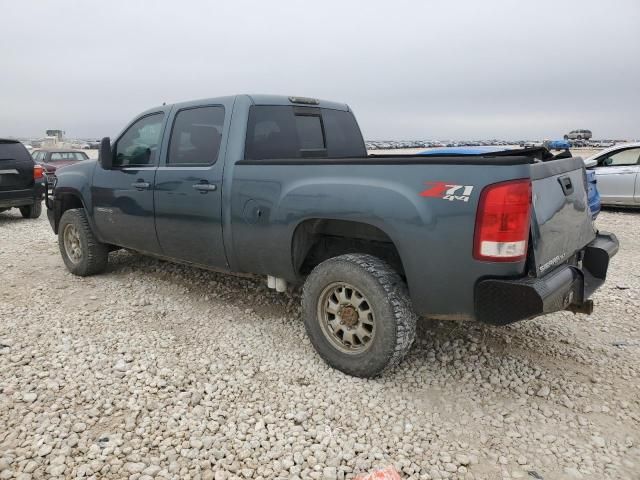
(502,222)
(38,172)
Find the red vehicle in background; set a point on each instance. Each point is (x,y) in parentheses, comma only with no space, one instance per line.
(53,159)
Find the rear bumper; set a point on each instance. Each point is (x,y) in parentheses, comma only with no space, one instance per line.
(568,287)
(21,198)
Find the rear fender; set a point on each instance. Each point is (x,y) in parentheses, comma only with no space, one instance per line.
(391,207)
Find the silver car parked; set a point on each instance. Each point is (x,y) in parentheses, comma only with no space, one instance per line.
(578,135)
(618,174)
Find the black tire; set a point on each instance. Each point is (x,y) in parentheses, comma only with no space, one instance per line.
(93,255)
(31,211)
(388,299)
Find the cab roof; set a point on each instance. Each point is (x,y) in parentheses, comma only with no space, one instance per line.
(264,99)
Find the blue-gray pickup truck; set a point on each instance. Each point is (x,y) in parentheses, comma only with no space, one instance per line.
(283,187)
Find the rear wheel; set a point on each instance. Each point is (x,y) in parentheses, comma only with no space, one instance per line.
(358,314)
(31,211)
(82,254)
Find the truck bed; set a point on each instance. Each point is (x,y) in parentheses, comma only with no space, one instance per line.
(434,234)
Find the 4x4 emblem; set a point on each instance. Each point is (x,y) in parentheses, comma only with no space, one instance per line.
(448,191)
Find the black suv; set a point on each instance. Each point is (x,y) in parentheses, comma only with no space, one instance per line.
(22,181)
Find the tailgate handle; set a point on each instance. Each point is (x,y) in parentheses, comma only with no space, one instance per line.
(567,186)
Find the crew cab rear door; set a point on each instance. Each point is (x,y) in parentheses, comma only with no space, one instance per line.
(188,192)
(561,223)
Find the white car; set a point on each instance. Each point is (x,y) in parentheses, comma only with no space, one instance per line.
(618,174)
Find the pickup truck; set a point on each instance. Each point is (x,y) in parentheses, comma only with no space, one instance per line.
(282,187)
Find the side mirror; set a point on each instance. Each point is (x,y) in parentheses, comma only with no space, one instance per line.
(105,155)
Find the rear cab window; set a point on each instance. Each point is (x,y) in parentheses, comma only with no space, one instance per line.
(286,132)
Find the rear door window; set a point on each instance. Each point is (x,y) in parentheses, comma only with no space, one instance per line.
(196,136)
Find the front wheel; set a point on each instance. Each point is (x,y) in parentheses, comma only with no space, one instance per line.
(358,314)
(31,211)
(82,254)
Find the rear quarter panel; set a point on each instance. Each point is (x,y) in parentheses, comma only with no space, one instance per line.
(434,236)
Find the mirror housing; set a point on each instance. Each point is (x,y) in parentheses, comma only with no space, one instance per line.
(590,163)
(105,155)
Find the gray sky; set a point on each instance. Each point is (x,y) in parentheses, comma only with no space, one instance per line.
(409,69)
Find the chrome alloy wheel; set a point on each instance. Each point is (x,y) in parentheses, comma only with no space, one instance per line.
(346,318)
(72,245)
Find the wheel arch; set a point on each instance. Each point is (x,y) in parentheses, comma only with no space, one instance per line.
(317,239)
(66,200)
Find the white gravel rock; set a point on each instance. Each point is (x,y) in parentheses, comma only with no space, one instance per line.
(154,370)
(543,391)
(29,397)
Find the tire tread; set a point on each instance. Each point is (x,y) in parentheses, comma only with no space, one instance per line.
(31,211)
(97,254)
(404,317)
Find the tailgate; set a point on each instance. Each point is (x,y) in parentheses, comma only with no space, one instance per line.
(561,223)
(16,166)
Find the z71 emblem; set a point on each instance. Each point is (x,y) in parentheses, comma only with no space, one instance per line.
(447,191)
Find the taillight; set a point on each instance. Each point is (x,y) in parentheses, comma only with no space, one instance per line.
(38,172)
(502,222)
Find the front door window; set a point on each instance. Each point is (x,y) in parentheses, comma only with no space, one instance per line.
(139,144)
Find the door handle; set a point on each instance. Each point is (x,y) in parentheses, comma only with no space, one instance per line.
(141,185)
(204,187)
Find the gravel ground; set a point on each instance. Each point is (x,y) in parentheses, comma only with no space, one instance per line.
(157,370)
